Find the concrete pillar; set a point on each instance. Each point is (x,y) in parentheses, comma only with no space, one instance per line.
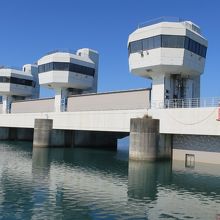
(146,143)
(6,104)
(144,139)
(158,91)
(42,132)
(60,99)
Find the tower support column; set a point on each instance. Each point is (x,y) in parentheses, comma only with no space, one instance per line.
(6,104)
(60,102)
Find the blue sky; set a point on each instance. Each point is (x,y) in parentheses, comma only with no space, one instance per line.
(30,28)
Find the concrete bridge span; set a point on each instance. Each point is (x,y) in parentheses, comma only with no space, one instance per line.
(101,119)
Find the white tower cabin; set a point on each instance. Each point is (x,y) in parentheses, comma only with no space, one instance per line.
(18,85)
(172,54)
(69,73)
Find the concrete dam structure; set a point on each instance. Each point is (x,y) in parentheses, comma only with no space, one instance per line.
(167,121)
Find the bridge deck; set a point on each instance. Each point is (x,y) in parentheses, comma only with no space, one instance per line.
(197,121)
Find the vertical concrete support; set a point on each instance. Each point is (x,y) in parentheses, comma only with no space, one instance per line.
(6,104)
(60,100)
(144,139)
(42,132)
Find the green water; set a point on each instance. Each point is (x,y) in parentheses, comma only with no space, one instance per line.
(94,184)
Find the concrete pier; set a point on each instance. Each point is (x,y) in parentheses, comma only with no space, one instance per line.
(42,132)
(145,141)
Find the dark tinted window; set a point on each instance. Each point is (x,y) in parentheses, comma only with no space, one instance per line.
(4,79)
(136,46)
(157,41)
(152,42)
(180,41)
(172,41)
(18,81)
(146,44)
(62,66)
(168,41)
(186,43)
(41,68)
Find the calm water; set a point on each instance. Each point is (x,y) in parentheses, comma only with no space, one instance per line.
(92,184)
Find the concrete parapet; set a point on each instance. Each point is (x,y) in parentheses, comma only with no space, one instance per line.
(42,132)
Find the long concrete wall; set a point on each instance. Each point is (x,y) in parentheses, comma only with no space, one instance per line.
(138,99)
(33,106)
(123,100)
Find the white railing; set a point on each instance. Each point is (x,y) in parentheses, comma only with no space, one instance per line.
(187,103)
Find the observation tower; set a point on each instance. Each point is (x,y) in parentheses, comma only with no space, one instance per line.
(171,52)
(18,84)
(68,73)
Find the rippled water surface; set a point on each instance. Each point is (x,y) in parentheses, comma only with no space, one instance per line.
(94,184)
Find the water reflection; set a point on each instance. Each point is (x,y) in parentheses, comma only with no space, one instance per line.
(94,184)
(144,177)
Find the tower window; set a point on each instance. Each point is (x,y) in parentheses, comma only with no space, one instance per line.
(168,41)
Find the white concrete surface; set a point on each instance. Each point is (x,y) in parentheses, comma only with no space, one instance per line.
(117,120)
(200,121)
(197,121)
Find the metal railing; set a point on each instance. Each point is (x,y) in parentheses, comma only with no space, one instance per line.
(160,19)
(10,67)
(187,103)
(65,51)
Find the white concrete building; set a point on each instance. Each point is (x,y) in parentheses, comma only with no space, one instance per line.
(172,54)
(69,73)
(18,85)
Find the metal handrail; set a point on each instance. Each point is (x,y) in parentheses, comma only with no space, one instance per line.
(158,20)
(10,67)
(187,103)
(61,50)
